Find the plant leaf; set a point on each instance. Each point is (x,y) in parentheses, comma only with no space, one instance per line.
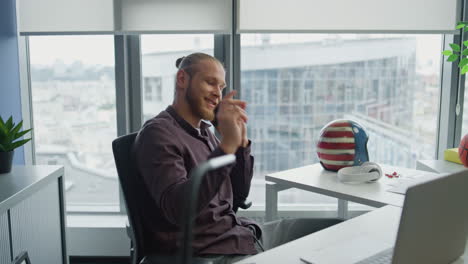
(2,148)
(17,128)
(3,130)
(464,69)
(20,134)
(9,124)
(452,57)
(18,144)
(461,25)
(455,47)
(464,52)
(3,133)
(8,139)
(447,52)
(465,43)
(463,62)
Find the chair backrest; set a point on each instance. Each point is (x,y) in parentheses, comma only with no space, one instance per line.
(133,189)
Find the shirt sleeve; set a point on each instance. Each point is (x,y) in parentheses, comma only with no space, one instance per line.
(160,161)
(241,175)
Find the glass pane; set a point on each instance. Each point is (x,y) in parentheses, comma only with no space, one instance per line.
(159,54)
(296,83)
(73,98)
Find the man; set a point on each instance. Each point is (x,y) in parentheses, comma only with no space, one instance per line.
(177,140)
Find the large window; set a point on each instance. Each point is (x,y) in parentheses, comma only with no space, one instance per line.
(296,83)
(73,99)
(159,54)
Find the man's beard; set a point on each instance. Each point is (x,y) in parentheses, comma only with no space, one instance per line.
(196,105)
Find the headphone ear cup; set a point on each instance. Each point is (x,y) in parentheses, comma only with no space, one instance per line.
(377,170)
(373,176)
(367,172)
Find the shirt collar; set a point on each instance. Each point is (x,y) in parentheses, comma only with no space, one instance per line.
(186,125)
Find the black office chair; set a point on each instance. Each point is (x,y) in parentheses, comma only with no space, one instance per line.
(133,187)
(134,190)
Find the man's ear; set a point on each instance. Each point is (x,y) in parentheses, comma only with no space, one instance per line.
(182,79)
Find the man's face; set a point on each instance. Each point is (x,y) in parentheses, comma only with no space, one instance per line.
(204,90)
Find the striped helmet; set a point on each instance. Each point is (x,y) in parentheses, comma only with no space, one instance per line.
(342,143)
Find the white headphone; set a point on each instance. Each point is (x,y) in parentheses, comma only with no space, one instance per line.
(367,172)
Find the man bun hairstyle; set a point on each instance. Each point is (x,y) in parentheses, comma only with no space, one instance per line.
(188,63)
(178,61)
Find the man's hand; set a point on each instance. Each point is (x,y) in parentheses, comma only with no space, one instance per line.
(231,118)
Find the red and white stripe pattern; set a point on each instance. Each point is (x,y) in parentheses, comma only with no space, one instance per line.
(336,146)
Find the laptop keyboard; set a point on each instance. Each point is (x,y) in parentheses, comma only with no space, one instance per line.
(383,257)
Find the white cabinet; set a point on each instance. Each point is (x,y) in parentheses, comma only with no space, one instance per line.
(5,256)
(32,215)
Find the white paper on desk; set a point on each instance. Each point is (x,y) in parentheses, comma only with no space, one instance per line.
(399,188)
(346,252)
(402,185)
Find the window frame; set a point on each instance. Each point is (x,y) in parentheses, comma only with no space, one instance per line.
(227,49)
(129,103)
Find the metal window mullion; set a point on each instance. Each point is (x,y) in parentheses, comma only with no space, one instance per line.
(121,86)
(128,84)
(223,52)
(135,83)
(26,97)
(236,64)
(128,90)
(448,100)
(121,93)
(461,88)
(236,51)
(452,96)
(459,111)
(227,50)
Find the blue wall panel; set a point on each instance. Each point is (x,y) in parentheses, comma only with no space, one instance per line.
(10,95)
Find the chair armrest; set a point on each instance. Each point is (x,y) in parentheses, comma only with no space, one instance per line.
(243,205)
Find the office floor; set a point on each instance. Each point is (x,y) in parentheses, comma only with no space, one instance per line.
(99,260)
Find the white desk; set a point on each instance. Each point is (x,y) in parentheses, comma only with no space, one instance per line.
(342,243)
(315,179)
(439,166)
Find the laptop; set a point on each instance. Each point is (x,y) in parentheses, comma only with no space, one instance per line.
(433,225)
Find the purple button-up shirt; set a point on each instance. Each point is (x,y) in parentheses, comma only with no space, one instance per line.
(166,149)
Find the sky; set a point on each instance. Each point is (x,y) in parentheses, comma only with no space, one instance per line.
(99,50)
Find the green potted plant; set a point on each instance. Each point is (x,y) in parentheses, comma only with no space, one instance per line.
(459,52)
(9,135)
